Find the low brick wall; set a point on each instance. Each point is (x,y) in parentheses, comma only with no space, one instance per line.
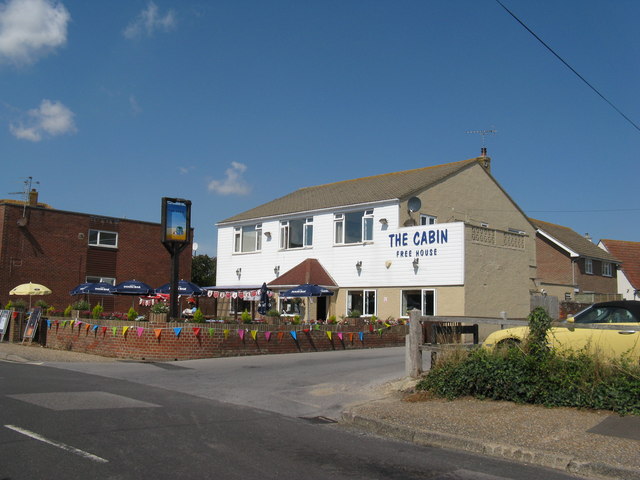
(185,341)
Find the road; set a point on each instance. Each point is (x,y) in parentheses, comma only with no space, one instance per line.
(248,418)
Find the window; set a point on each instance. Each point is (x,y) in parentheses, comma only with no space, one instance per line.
(291,306)
(296,233)
(364,301)
(109,280)
(101,238)
(428,220)
(247,238)
(588,266)
(423,300)
(607,271)
(239,305)
(353,227)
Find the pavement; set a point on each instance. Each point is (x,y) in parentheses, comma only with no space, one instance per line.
(595,444)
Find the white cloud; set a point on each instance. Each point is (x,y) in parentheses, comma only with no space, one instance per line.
(149,21)
(233,183)
(51,118)
(135,106)
(30,29)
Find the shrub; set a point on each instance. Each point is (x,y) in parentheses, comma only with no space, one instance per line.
(332,319)
(198,317)
(160,307)
(354,314)
(273,313)
(51,310)
(132,314)
(246,317)
(97,311)
(42,304)
(67,311)
(9,305)
(80,305)
(20,305)
(296,320)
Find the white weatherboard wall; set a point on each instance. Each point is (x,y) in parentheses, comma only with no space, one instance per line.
(386,261)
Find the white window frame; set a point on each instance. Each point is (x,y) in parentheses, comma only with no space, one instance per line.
(98,242)
(239,238)
(340,229)
(365,293)
(98,279)
(428,219)
(607,269)
(588,266)
(307,234)
(423,291)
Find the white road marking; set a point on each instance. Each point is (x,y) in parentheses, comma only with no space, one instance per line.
(68,448)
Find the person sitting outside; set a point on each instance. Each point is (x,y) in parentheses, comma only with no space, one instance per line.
(190,310)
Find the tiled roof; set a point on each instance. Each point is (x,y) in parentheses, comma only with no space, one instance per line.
(573,240)
(629,254)
(389,186)
(308,271)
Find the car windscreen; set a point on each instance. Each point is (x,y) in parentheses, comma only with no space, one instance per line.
(607,314)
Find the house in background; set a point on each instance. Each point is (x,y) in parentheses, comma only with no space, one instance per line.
(61,249)
(571,267)
(629,271)
(446,239)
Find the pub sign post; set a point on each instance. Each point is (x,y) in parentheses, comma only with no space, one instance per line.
(176,236)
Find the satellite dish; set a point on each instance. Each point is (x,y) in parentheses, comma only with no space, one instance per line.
(414,204)
(194,247)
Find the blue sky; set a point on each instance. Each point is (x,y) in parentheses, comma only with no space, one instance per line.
(113,105)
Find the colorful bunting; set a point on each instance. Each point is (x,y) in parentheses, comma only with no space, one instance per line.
(114,330)
(361,336)
(226,333)
(351,337)
(104,330)
(158,332)
(340,335)
(177,331)
(49,324)
(254,334)
(211,331)
(280,335)
(241,334)
(196,331)
(294,334)
(139,331)
(267,335)
(329,334)
(124,331)
(95,328)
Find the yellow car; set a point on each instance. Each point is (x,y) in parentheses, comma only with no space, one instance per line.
(605,342)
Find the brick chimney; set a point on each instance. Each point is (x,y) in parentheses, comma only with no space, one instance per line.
(33,198)
(484,160)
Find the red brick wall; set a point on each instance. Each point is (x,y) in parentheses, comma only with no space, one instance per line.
(169,347)
(554,265)
(52,249)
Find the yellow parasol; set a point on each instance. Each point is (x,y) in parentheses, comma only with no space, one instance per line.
(30,289)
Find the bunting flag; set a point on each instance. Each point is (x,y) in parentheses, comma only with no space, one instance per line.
(306,330)
(104,330)
(196,331)
(280,335)
(267,335)
(158,332)
(371,328)
(88,327)
(361,336)
(124,331)
(387,325)
(340,335)
(139,331)
(114,330)
(72,323)
(211,331)
(316,327)
(294,334)
(254,334)
(380,331)
(79,324)
(226,334)
(241,334)
(95,328)
(329,334)
(351,337)
(177,331)
(49,324)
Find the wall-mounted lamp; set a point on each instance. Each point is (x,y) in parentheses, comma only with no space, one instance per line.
(359,264)
(268,235)
(276,270)
(238,272)
(416,261)
(383,221)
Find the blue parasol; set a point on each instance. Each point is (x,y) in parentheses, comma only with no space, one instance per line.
(307,290)
(184,288)
(132,287)
(99,288)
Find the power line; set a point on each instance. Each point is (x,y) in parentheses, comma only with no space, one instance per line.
(569,67)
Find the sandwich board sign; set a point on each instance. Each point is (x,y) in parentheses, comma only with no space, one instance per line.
(5,315)
(32,324)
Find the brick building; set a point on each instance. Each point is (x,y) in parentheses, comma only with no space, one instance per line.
(61,249)
(571,267)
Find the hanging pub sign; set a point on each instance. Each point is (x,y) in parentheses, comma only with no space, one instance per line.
(176,220)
